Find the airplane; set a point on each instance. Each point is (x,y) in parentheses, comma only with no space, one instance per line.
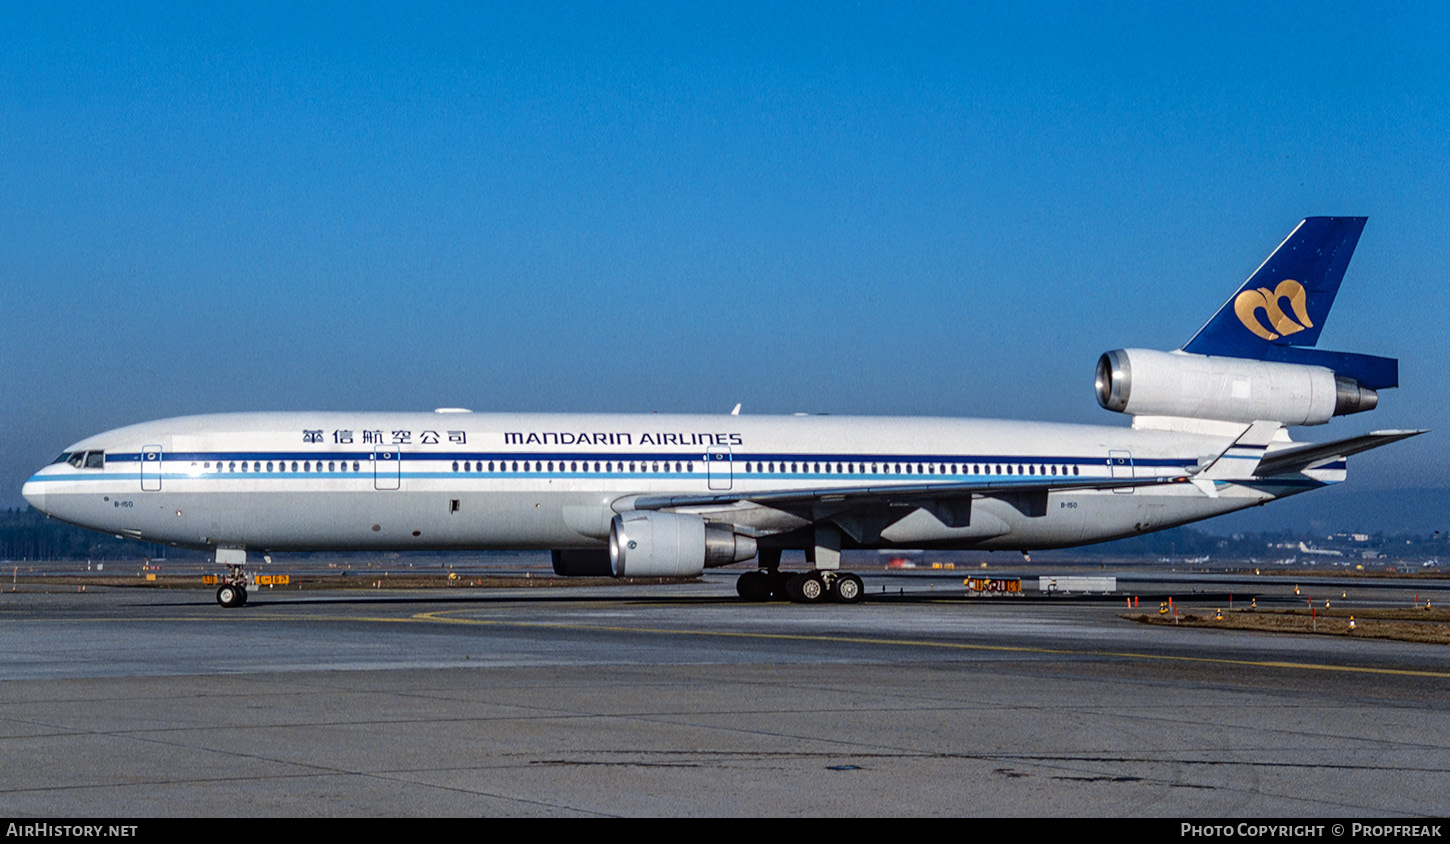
(671,495)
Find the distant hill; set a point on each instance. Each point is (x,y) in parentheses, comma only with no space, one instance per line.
(1345,508)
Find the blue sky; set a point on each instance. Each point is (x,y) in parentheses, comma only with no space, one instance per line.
(945,209)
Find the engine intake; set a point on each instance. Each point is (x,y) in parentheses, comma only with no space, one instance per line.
(1142,382)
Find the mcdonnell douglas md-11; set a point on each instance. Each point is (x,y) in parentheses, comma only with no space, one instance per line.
(672,495)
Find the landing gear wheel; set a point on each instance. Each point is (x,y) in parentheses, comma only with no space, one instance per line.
(231,595)
(779,586)
(847,589)
(807,588)
(754,586)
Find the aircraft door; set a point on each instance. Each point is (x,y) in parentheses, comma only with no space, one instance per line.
(151,468)
(387,467)
(720,466)
(1120,465)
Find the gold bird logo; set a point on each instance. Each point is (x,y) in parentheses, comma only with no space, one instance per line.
(1248,304)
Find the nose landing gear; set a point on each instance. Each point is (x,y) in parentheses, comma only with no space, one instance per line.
(231,596)
(232,592)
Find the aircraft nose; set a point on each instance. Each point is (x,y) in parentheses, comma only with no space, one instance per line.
(35,494)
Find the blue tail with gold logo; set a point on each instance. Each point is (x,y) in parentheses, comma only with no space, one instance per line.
(1279,312)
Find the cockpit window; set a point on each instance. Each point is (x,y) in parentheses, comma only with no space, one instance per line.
(84,459)
(63,458)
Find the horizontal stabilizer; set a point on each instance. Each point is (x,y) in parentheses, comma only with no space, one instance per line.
(1298,458)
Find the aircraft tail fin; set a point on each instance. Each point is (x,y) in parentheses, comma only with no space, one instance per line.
(1279,312)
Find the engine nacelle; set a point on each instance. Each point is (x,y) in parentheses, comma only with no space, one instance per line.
(652,544)
(1143,382)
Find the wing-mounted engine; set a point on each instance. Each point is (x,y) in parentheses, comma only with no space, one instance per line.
(1143,382)
(656,544)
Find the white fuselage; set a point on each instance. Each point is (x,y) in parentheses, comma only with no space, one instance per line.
(401,481)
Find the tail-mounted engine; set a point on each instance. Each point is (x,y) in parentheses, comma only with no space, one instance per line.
(1143,382)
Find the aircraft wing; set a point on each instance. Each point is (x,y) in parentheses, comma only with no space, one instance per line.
(897,495)
(1301,457)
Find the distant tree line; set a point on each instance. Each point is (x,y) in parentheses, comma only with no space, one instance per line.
(26,534)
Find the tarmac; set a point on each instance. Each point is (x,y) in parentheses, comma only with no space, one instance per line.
(680,700)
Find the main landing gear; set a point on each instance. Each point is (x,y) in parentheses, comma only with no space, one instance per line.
(808,587)
(825,582)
